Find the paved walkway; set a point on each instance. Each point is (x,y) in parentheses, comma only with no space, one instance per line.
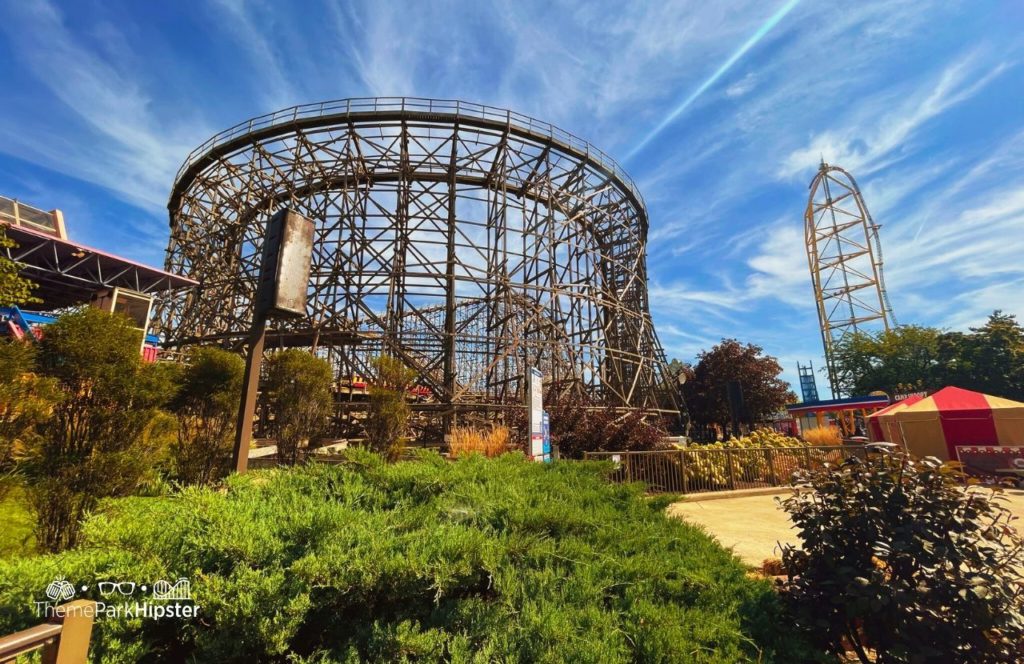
(753,526)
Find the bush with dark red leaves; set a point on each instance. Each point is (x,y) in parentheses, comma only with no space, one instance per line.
(903,563)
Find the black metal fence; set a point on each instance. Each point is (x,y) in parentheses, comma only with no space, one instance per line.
(697,469)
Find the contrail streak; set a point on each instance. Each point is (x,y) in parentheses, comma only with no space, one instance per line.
(765,28)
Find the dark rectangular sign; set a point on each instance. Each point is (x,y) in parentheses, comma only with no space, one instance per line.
(284,274)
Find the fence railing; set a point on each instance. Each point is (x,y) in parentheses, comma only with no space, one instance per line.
(64,640)
(697,469)
(347,108)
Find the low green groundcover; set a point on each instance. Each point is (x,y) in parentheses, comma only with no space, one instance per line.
(478,560)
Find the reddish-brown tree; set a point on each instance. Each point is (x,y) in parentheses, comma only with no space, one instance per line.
(764,392)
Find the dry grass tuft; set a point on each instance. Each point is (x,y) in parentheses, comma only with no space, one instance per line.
(772,567)
(823,436)
(469,440)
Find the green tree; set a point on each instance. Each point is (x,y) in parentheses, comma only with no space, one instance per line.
(387,419)
(96,444)
(991,358)
(891,361)
(14,289)
(26,401)
(764,393)
(206,405)
(987,359)
(299,392)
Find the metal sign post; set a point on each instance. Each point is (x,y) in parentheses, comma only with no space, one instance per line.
(250,388)
(280,292)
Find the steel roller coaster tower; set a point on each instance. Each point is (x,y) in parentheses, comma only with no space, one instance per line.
(845,258)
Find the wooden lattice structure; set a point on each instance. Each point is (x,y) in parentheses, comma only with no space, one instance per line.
(471,242)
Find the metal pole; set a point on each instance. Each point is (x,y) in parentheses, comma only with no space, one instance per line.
(250,388)
(682,466)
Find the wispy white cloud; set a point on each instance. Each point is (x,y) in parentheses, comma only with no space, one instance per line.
(742,86)
(779,270)
(718,73)
(973,307)
(877,137)
(275,86)
(131,149)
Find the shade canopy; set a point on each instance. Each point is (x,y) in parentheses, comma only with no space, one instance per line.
(936,425)
(67,273)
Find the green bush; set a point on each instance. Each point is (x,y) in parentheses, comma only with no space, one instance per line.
(26,401)
(478,560)
(387,419)
(899,557)
(299,390)
(96,444)
(206,406)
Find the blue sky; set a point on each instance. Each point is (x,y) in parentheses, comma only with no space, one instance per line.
(719,110)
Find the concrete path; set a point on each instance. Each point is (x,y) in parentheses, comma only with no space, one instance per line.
(753,526)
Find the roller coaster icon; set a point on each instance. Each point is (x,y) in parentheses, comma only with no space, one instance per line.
(180,590)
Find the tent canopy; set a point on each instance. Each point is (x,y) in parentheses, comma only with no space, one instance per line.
(953,417)
(880,422)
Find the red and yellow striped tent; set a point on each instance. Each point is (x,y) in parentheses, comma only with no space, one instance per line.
(951,417)
(881,424)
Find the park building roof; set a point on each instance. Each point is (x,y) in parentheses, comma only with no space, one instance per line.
(833,405)
(70,273)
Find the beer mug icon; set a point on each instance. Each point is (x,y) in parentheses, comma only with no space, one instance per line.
(60,589)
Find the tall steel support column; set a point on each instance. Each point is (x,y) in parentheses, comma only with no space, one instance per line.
(470,242)
(844,255)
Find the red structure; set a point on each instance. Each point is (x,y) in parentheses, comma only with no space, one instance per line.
(954,417)
(879,421)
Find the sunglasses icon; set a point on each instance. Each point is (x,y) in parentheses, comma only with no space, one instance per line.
(123,587)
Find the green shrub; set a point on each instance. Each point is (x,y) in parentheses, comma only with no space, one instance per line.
(478,560)
(26,401)
(95,444)
(899,557)
(17,531)
(387,418)
(206,406)
(299,391)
